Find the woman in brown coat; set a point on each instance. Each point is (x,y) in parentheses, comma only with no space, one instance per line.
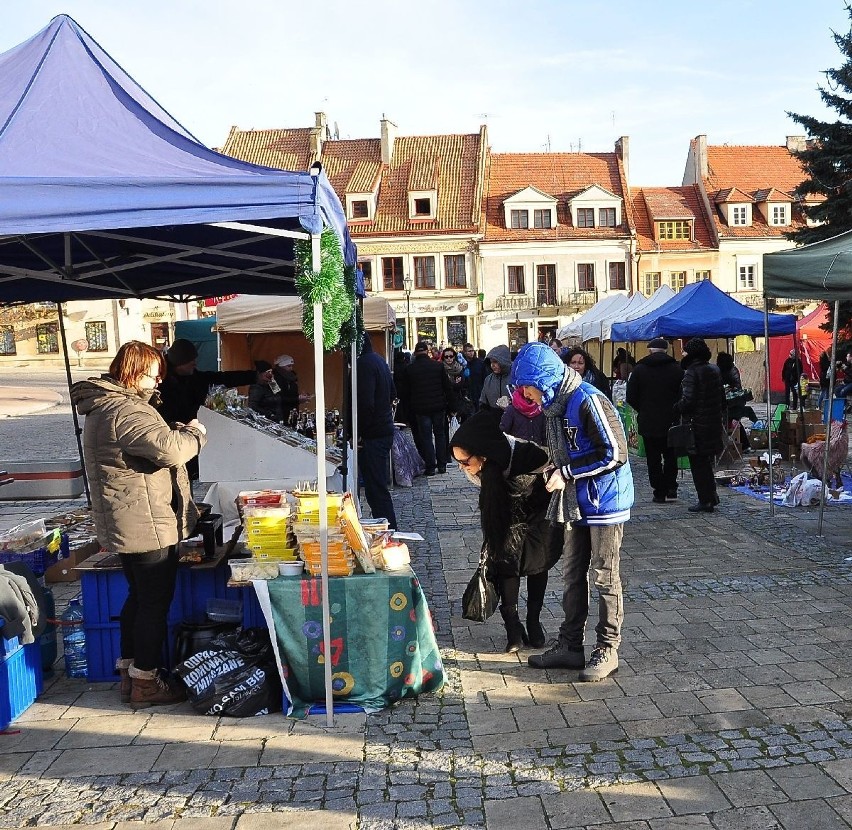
(141,505)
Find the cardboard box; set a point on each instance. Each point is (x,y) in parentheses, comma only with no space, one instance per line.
(65,570)
(814,429)
(812,416)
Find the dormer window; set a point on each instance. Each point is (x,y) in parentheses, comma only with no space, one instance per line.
(360,207)
(422,204)
(739,215)
(606,217)
(520,218)
(585,217)
(674,229)
(541,218)
(779,215)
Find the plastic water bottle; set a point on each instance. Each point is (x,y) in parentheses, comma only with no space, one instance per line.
(74,640)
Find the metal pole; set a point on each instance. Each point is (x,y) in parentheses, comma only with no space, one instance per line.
(829,413)
(77,431)
(768,401)
(408,319)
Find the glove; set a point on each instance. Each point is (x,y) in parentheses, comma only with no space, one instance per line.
(503,401)
(555,481)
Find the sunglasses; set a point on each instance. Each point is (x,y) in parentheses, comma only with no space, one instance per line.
(449,357)
(464,462)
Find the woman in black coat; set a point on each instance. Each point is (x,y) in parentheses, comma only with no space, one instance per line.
(702,402)
(584,365)
(512,503)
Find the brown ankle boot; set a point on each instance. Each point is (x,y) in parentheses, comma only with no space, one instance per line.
(121,666)
(150,688)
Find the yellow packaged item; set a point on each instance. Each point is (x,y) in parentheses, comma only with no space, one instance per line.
(308,502)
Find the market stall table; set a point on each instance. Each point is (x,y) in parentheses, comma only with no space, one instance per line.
(382,640)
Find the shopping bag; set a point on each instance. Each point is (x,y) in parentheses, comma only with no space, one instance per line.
(681,438)
(480,599)
(454,425)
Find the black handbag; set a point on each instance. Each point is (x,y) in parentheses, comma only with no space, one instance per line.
(480,598)
(681,438)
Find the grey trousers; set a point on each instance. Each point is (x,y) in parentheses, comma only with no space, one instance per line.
(592,551)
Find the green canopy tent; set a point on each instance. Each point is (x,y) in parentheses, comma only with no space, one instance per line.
(820,271)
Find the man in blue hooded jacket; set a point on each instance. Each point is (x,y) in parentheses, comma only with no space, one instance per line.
(588,450)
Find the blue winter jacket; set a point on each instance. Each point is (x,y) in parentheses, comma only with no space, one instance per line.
(594,440)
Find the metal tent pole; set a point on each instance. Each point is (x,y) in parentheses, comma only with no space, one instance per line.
(768,401)
(77,431)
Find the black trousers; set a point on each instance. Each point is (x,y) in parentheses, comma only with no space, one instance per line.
(702,477)
(151,579)
(374,463)
(662,465)
(791,394)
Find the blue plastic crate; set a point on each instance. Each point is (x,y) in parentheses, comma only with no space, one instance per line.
(104,592)
(103,648)
(20,681)
(56,547)
(198,584)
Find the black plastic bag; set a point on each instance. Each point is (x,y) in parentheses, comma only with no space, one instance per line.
(236,675)
(681,438)
(480,598)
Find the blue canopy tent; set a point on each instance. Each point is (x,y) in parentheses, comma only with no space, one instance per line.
(701,310)
(106,195)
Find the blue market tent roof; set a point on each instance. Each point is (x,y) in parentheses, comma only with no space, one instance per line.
(107,195)
(701,310)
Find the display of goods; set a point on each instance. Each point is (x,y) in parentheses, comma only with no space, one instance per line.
(332,518)
(24,537)
(355,534)
(307,501)
(334,569)
(266,555)
(391,557)
(243,571)
(313,548)
(262,498)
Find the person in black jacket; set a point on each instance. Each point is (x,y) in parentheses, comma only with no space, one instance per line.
(652,390)
(584,365)
(284,372)
(376,392)
(427,392)
(262,397)
(791,371)
(184,388)
(702,401)
(513,503)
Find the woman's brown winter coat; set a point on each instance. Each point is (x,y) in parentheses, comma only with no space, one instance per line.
(141,499)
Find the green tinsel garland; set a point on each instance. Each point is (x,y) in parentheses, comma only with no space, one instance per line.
(326,286)
(353,328)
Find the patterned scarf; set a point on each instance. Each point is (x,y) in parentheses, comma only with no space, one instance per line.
(563,505)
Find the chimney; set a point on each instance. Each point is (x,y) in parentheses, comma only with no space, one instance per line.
(622,150)
(319,133)
(388,138)
(797,143)
(701,166)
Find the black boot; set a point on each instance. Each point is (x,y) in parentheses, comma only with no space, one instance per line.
(535,633)
(516,636)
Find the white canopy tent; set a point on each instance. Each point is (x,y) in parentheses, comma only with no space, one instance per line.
(574,329)
(633,312)
(593,329)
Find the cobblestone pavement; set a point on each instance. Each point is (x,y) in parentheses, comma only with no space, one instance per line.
(731,707)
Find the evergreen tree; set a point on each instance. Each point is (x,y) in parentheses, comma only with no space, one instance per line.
(827,162)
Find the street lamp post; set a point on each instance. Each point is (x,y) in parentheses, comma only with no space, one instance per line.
(407,286)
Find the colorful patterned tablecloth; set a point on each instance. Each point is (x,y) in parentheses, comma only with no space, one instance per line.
(383,645)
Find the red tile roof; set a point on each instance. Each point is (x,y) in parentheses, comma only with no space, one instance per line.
(772,194)
(733,195)
(669,203)
(561,175)
(449,164)
(750,169)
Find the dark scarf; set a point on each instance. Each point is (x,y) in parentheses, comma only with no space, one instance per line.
(563,505)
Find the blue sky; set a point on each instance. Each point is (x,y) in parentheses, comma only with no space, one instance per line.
(543,74)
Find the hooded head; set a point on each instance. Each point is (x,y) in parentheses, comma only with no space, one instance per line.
(181,353)
(481,435)
(502,356)
(262,366)
(284,361)
(724,361)
(539,366)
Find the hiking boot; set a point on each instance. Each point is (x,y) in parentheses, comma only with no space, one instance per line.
(602,663)
(516,636)
(701,507)
(535,633)
(150,688)
(125,685)
(560,656)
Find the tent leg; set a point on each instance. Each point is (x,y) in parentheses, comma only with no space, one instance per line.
(768,402)
(830,408)
(77,431)
(323,512)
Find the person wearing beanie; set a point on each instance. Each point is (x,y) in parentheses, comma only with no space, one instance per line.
(495,387)
(264,395)
(702,403)
(652,390)
(516,533)
(591,489)
(184,388)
